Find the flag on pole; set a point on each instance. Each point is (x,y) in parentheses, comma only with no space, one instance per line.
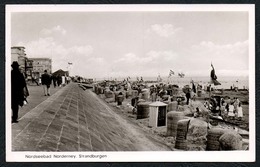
(171,73)
(181,75)
(213,76)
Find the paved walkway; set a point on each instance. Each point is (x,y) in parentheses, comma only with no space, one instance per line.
(35,98)
(77,120)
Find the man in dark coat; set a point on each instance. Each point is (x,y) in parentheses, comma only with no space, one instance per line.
(17,90)
(46,82)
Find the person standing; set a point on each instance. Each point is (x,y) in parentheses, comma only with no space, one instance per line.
(63,80)
(40,81)
(46,82)
(194,87)
(231,111)
(239,111)
(188,96)
(54,80)
(59,80)
(17,90)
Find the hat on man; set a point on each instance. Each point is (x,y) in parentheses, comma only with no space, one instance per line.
(15,64)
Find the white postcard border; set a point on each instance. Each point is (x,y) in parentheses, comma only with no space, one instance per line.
(174,156)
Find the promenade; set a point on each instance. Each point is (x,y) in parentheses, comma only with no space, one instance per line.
(72,119)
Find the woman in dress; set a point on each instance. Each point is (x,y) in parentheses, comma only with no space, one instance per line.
(231,113)
(239,112)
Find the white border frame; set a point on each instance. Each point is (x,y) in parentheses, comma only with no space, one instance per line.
(174,156)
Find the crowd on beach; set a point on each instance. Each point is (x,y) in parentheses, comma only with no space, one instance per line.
(223,107)
(210,112)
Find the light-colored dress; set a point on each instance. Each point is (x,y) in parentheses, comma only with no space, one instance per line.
(231,111)
(239,112)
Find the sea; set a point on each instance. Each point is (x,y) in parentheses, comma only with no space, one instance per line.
(241,82)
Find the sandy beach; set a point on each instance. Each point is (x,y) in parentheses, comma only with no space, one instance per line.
(194,143)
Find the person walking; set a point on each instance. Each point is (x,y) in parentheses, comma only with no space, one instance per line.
(17,90)
(46,82)
(59,80)
(54,80)
(34,79)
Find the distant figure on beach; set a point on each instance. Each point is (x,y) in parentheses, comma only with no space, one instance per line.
(17,90)
(213,76)
(193,87)
(236,102)
(239,111)
(46,82)
(231,111)
(141,80)
(188,95)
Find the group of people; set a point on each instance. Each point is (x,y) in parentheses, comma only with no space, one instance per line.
(19,91)
(232,108)
(57,80)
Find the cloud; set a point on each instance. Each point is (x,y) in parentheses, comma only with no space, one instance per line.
(54,30)
(91,67)
(224,72)
(212,46)
(152,63)
(81,49)
(165,30)
(60,55)
(229,59)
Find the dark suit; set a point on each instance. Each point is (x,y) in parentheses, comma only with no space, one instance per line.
(17,93)
(46,80)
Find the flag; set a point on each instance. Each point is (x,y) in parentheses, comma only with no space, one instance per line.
(171,73)
(69,63)
(213,76)
(181,75)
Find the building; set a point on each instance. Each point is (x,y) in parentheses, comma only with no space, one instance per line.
(39,65)
(18,54)
(32,67)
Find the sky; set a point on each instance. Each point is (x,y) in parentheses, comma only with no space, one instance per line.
(122,44)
